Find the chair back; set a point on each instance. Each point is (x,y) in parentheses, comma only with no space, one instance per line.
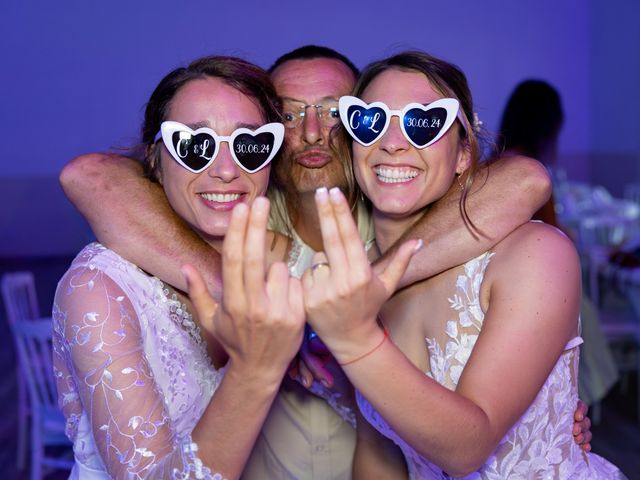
(19,295)
(33,343)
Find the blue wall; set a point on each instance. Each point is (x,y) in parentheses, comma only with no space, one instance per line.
(75,76)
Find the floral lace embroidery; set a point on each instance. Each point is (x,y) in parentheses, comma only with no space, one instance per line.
(540,444)
(194,466)
(132,371)
(447,365)
(345,411)
(294,257)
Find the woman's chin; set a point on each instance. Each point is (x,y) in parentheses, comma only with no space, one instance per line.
(213,232)
(395,208)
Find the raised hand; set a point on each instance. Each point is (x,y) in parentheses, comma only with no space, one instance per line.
(342,294)
(260,321)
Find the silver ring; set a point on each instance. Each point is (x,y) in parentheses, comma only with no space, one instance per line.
(315,266)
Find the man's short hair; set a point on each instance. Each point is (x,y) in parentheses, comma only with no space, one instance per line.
(309,52)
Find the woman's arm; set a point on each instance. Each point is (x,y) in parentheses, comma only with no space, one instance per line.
(533,311)
(131,215)
(504,195)
(101,367)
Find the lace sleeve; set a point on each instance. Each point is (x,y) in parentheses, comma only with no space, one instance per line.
(102,372)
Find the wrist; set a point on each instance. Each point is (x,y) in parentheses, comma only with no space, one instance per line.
(349,351)
(265,378)
(366,353)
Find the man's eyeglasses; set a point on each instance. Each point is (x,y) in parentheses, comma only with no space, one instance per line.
(326,112)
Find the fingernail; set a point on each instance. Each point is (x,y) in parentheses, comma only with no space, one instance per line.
(239,209)
(321,194)
(419,244)
(260,203)
(325,383)
(335,194)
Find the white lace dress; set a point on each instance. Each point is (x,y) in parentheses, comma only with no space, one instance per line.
(540,444)
(129,362)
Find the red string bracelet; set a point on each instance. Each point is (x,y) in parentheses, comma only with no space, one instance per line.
(369,352)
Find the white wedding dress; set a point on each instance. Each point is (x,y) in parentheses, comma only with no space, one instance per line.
(540,445)
(132,371)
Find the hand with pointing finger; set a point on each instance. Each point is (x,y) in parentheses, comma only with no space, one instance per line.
(342,294)
(260,320)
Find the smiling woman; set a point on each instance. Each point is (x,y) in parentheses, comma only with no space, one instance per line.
(148,389)
(483,382)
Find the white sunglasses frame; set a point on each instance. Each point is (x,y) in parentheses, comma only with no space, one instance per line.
(169,127)
(451,105)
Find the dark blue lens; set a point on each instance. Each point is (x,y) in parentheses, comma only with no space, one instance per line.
(421,126)
(252,151)
(366,123)
(194,150)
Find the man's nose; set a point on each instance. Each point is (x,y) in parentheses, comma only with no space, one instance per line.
(311,127)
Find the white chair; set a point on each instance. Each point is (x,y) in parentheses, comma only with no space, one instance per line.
(32,339)
(21,303)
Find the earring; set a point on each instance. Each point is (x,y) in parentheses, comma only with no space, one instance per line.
(458,175)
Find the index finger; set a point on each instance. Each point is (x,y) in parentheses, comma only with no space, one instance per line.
(332,242)
(351,240)
(232,253)
(254,251)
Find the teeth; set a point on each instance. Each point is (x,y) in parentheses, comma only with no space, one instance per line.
(394,175)
(221,197)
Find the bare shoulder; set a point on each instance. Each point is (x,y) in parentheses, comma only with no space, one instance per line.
(535,273)
(536,250)
(535,241)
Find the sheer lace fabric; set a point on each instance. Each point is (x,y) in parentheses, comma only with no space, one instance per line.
(540,444)
(132,371)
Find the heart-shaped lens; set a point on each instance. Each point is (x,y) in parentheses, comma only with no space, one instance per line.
(366,124)
(253,151)
(195,151)
(423,126)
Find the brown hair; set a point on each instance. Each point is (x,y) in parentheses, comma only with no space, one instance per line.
(244,76)
(449,81)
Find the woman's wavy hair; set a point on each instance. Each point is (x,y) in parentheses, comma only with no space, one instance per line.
(448,80)
(244,76)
